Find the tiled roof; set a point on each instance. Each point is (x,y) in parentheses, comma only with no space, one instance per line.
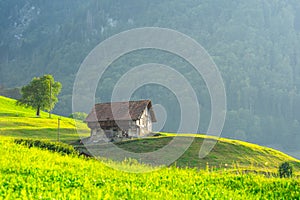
(129,110)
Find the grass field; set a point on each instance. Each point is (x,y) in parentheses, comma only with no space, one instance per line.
(18,121)
(227,154)
(32,173)
(35,173)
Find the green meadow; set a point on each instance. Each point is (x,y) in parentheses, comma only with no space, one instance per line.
(233,170)
(33,173)
(18,121)
(231,155)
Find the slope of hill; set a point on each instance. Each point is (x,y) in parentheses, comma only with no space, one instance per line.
(18,121)
(32,173)
(230,154)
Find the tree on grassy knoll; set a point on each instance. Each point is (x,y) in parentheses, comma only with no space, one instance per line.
(41,93)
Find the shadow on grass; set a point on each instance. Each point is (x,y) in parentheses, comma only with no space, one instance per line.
(64,134)
(12,114)
(223,156)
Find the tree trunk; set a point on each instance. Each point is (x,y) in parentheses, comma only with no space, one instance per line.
(38,111)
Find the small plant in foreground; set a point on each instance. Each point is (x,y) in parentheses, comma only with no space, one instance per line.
(285,170)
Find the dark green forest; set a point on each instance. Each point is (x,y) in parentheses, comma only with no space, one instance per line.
(255,44)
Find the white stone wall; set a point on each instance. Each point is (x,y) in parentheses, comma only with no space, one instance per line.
(145,123)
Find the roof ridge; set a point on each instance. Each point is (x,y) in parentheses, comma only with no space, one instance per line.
(118,111)
(123,101)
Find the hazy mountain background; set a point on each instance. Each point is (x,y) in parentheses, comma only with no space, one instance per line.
(255,44)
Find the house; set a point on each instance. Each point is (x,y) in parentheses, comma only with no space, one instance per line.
(121,119)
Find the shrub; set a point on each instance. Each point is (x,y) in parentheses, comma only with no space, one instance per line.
(51,146)
(285,170)
(78,115)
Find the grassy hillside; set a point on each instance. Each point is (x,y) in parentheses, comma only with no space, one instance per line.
(18,121)
(230,154)
(32,173)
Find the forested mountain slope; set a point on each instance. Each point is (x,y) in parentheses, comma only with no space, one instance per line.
(255,44)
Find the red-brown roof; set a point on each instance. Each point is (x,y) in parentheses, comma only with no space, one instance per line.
(113,111)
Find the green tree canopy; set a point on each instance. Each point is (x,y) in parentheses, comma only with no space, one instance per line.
(41,93)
